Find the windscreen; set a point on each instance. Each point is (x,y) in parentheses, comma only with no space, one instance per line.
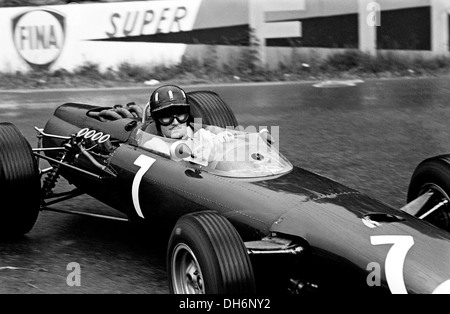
(243,155)
(248,155)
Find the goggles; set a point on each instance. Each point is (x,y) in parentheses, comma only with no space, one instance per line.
(168,120)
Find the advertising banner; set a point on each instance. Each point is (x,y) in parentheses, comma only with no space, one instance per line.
(67,36)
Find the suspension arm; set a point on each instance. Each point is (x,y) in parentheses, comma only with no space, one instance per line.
(96,176)
(60,197)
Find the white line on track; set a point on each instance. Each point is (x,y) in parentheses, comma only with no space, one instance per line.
(237,84)
(131,88)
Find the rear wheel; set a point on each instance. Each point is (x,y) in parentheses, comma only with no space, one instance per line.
(209,107)
(207,256)
(433,175)
(19,183)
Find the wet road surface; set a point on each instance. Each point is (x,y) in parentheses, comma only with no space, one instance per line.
(369,136)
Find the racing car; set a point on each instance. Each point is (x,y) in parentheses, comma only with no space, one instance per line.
(237,225)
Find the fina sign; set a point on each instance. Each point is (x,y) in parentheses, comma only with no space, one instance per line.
(39,36)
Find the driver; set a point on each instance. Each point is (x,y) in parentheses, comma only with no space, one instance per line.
(170,109)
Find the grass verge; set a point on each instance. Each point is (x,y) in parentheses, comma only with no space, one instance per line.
(246,68)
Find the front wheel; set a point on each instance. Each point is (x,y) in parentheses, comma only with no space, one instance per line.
(433,175)
(19,183)
(206,255)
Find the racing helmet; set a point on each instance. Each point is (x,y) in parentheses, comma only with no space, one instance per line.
(167,96)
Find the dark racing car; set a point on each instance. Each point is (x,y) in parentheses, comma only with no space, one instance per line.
(242,222)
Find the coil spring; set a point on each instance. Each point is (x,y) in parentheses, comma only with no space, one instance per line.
(52,177)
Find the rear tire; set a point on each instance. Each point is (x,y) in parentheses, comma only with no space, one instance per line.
(211,109)
(206,255)
(19,183)
(433,174)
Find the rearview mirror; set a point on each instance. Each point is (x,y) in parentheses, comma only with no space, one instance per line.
(264,133)
(179,150)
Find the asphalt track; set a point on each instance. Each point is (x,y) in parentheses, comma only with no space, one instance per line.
(368,135)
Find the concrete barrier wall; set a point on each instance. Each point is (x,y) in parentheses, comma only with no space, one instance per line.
(415,25)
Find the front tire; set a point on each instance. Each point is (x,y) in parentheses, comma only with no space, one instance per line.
(19,183)
(433,174)
(206,255)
